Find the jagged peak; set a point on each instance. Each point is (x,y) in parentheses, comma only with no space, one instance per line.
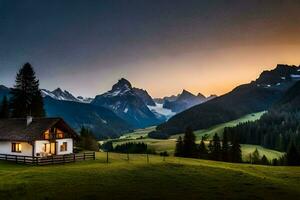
(121,84)
(279,74)
(200,95)
(280,66)
(58,90)
(185,92)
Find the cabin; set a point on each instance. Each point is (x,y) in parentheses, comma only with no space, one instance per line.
(36,137)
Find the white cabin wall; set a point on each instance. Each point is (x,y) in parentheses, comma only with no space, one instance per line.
(69,146)
(39,146)
(5,148)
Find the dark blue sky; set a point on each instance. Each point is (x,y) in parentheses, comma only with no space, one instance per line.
(163,46)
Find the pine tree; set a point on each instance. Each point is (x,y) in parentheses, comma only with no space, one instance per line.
(275,162)
(225,147)
(292,155)
(264,160)
(4,109)
(26,96)
(210,149)
(255,157)
(179,147)
(202,149)
(87,140)
(189,145)
(235,152)
(216,151)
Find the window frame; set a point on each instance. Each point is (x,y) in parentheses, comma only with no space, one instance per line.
(64,147)
(47,135)
(16,147)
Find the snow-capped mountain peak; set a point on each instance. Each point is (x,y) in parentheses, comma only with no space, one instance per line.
(122,84)
(64,95)
(128,103)
(85,99)
(122,87)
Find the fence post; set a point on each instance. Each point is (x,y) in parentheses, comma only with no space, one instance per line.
(84,156)
(64,158)
(147,158)
(5,156)
(107,157)
(94,155)
(127,156)
(52,159)
(16,159)
(74,157)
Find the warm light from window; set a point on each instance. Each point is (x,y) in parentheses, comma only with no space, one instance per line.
(47,135)
(59,134)
(63,147)
(16,147)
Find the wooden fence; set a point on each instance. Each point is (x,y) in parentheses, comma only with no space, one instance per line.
(55,159)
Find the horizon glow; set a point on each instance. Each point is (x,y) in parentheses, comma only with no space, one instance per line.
(207,47)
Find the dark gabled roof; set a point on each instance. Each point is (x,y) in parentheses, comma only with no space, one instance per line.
(15,129)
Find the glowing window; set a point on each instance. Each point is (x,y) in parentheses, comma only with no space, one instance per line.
(47,135)
(59,134)
(16,147)
(64,146)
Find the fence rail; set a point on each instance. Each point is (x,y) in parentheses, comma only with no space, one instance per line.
(55,159)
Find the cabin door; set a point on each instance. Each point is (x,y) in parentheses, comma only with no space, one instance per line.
(53,148)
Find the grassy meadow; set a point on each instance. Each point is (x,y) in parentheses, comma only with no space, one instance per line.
(174,178)
(269,153)
(168,145)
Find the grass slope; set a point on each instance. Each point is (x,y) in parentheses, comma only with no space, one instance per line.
(140,135)
(176,178)
(220,127)
(269,153)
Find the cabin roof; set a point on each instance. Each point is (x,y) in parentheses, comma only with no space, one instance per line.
(16,129)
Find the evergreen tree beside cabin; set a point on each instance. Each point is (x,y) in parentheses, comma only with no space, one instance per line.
(87,140)
(26,98)
(4,108)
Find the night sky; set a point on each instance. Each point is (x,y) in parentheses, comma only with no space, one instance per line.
(162,46)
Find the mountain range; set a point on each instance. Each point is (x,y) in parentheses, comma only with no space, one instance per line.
(59,94)
(124,107)
(256,96)
(184,101)
(110,114)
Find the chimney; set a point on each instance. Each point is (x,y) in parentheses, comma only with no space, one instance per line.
(28,120)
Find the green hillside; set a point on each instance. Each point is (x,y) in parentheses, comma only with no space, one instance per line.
(138,133)
(220,127)
(269,153)
(159,145)
(175,178)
